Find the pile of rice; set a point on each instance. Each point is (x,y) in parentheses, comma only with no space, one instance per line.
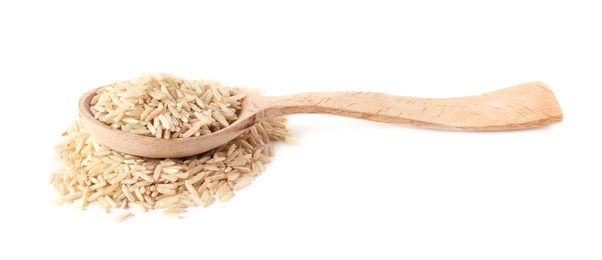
(163,106)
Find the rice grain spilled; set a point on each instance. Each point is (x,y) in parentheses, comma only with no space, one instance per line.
(123,217)
(163,106)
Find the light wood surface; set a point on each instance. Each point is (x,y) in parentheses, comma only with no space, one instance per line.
(527,105)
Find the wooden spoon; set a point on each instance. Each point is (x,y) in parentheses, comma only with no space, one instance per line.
(523,106)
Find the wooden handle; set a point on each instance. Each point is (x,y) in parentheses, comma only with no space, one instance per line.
(523,106)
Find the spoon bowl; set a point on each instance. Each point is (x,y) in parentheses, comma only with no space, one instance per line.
(523,106)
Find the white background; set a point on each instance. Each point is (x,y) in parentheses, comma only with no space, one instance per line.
(350,188)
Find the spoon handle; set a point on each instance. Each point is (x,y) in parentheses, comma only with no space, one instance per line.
(523,106)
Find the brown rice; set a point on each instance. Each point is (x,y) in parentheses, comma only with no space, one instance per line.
(123,217)
(90,172)
(164,106)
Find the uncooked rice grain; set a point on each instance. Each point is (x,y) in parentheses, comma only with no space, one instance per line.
(90,172)
(123,217)
(164,106)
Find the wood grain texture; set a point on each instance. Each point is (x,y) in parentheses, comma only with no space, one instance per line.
(523,106)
